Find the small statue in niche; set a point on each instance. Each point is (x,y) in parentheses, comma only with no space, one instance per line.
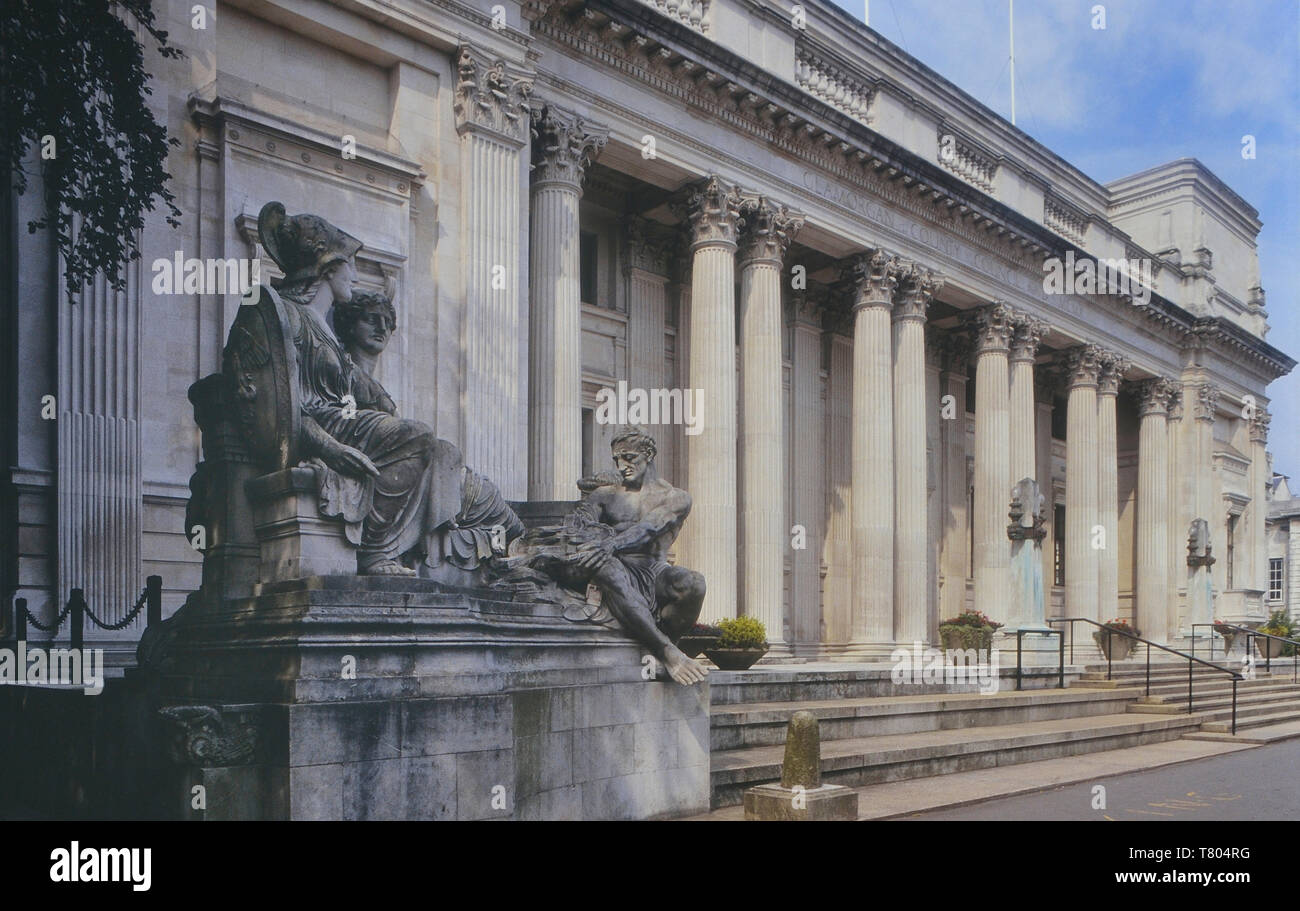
(617,540)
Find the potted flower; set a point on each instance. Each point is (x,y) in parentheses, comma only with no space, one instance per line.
(743,642)
(1115,639)
(1228,632)
(969,629)
(700,637)
(1278,625)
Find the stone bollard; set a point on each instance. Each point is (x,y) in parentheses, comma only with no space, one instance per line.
(801,794)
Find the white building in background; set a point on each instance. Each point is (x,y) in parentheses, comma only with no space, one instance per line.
(841,250)
(1283,592)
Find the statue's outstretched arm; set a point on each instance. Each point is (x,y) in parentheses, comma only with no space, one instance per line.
(666,518)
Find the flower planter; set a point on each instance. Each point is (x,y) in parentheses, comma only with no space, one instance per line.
(1229,642)
(964,637)
(1269,648)
(1114,646)
(735,659)
(693,646)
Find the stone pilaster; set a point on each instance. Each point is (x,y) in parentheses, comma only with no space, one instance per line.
(916,288)
(491,107)
(768,230)
(1112,372)
(807,470)
(1257,551)
(873,278)
(1083,365)
(1027,334)
(1153,550)
(1177,510)
(992,550)
(1204,405)
(646,255)
(840,474)
(563,146)
(955,553)
(712,210)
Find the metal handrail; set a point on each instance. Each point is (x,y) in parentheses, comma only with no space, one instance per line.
(1252,634)
(1149,644)
(1060,647)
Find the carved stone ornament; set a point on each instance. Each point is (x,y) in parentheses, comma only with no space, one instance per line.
(1028,512)
(917,286)
(491,97)
(768,229)
(262,369)
(991,327)
(200,737)
(563,145)
(1113,368)
(1259,426)
(1083,365)
(1153,396)
(872,278)
(648,245)
(1207,401)
(1198,544)
(711,208)
(1026,335)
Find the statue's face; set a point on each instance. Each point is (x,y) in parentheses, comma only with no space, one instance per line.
(371,332)
(631,464)
(341,277)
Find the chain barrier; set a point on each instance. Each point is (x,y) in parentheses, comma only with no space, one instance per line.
(23,616)
(125,621)
(53,627)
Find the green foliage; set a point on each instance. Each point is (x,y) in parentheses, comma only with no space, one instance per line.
(967,636)
(742,632)
(972,618)
(74,70)
(1279,624)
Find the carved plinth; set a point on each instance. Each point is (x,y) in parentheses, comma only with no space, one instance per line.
(828,802)
(294,540)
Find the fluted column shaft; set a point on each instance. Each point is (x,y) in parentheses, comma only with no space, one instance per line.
(1175,550)
(1108,487)
(952,431)
(713,208)
(807,475)
(992,465)
(840,475)
(1027,335)
(875,277)
(1204,400)
(1081,475)
(911,538)
(1257,576)
(768,231)
(1152,573)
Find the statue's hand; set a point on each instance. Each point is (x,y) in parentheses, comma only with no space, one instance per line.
(352,463)
(593,554)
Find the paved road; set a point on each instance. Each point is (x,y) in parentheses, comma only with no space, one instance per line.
(1258,784)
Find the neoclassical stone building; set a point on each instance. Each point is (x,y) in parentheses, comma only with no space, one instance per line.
(833,250)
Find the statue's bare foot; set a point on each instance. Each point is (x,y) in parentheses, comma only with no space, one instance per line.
(685,671)
(389,568)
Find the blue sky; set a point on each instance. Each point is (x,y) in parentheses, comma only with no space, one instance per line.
(1165,79)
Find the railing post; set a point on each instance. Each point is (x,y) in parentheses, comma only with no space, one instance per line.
(1234,706)
(1020,637)
(20,620)
(153,599)
(76,618)
(1060,646)
(1189,686)
(1148,669)
(1109,651)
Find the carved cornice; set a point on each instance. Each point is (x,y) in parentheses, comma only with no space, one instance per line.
(1027,335)
(1113,368)
(1153,396)
(767,230)
(1207,401)
(1082,365)
(563,146)
(871,279)
(711,209)
(648,246)
(491,97)
(991,327)
(917,286)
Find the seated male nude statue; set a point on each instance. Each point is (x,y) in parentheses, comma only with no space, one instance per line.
(617,539)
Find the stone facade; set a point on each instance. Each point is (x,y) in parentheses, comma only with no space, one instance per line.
(698,197)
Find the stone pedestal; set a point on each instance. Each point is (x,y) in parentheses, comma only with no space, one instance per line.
(293,540)
(775,803)
(377,698)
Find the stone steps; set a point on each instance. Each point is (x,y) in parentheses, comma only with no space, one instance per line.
(860,761)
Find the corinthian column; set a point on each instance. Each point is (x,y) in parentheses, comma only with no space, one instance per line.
(712,208)
(1200,589)
(1026,335)
(1083,364)
(911,577)
(992,565)
(1177,510)
(769,228)
(492,122)
(1152,575)
(563,146)
(1257,552)
(873,278)
(1112,371)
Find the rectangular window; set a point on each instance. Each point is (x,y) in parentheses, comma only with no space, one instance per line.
(1058,545)
(588,263)
(1275,579)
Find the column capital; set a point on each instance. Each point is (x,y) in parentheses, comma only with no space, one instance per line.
(917,286)
(647,245)
(491,97)
(1207,401)
(564,144)
(1154,395)
(1082,365)
(1259,426)
(767,228)
(711,208)
(954,352)
(872,278)
(806,309)
(1047,382)
(1175,400)
(1113,368)
(991,326)
(1026,335)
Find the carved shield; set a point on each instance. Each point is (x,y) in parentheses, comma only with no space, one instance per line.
(261,363)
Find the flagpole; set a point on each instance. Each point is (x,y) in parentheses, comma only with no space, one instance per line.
(1011,23)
